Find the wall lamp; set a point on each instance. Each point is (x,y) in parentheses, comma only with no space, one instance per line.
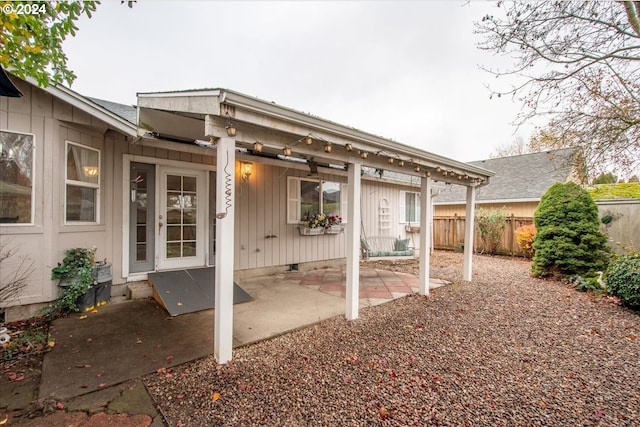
(327,147)
(308,140)
(286,151)
(245,170)
(257,147)
(348,147)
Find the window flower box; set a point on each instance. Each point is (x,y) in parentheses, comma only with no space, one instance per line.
(309,231)
(334,229)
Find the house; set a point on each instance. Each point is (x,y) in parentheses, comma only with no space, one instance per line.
(197,178)
(518,185)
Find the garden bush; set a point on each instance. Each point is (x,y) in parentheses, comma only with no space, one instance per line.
(623,279)
(525,236)
(491,224)
(569,240)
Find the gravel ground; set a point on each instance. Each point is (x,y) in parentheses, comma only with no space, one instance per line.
(507,350)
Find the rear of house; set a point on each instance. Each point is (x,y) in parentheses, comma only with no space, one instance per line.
(80,172)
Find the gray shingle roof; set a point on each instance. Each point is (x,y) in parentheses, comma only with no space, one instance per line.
(127,112)
(523,177)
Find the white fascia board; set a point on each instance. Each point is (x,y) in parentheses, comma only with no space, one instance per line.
(80,102)
(494,201)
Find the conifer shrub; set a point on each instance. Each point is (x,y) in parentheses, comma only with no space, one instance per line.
(525,236)
(569,240)
(623,279)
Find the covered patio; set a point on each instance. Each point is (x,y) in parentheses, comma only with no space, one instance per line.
(241,129)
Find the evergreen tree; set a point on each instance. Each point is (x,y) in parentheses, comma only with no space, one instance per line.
(569,240)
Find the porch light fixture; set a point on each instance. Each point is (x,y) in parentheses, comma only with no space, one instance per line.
(327,147)
(286,151)
(364,154)
(231,128)
(308,140)
(401,163)
(90,171)
(257,147)
(428,173)
(390,160)
(348,147)
(417,168)
(245,170)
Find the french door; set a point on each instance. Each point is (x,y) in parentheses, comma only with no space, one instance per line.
(181,221)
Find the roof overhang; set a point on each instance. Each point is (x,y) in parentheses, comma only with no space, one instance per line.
(204,114)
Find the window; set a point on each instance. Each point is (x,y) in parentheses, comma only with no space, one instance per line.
(16,177)
(313,196)
(409,207)
(82,184)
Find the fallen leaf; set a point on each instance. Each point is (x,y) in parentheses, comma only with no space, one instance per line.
(161,371)
(84,316)
(51,344)
(101,385)
(169,358)
(94,311)
(384,413)
(60,405)
(3,422)
(631,337)
(138,341)
(215,396)
(89,340)
(180,396)
(99,375)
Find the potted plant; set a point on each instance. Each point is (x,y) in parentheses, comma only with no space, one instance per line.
(313,224)
(76,280)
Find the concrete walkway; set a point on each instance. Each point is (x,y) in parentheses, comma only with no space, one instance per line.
(98,357)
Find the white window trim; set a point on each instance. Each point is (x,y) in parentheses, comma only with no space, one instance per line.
(293,201)
(68,182)
(33,181)
(403,207)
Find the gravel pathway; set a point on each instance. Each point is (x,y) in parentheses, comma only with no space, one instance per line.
(507,350)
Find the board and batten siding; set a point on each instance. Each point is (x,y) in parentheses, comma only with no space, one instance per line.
(52,122)
(263,237)
(373,191)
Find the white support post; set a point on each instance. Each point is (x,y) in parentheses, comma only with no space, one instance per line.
(225,235)
(467,268)
(425,234)
(353,241)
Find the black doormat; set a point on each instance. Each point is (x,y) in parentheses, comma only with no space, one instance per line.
(187,291)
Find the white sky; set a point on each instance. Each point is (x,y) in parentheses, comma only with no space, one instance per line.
(405,70)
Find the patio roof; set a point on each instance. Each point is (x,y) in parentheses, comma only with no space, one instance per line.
(276,127)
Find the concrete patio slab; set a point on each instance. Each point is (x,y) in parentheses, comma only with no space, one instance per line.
(122,341)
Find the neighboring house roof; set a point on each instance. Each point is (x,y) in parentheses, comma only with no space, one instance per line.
(127,112)
(517,178)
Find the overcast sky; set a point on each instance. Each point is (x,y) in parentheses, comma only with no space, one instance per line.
(405,70)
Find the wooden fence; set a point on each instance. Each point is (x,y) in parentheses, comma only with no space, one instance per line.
(448,234)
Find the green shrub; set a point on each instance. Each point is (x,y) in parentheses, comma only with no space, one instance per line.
(491,224)
(623,279)
(569,240)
